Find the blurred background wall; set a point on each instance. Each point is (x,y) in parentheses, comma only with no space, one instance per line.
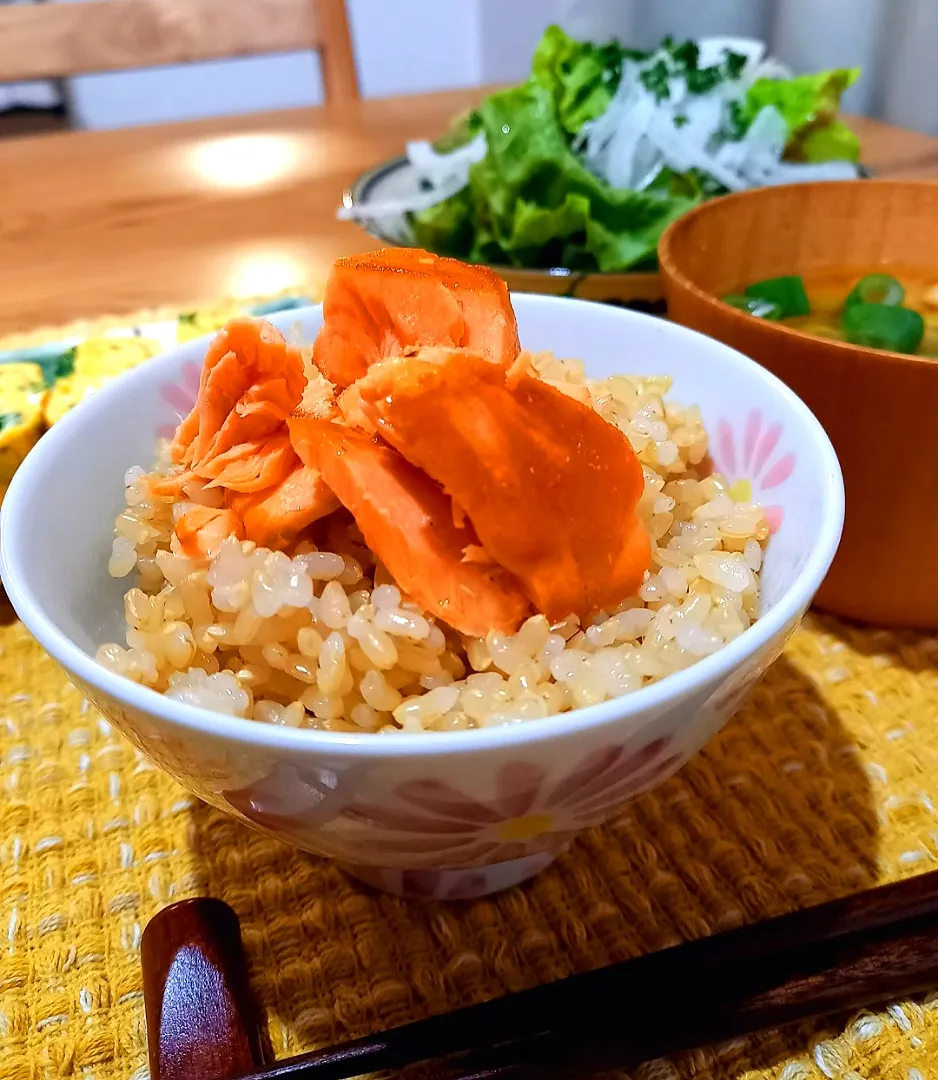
(408,46)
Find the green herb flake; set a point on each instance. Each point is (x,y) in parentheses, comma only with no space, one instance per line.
(10,419)
(703,80)
(734,63)
(738,122)
(57,366)
(656,80)
(687,55)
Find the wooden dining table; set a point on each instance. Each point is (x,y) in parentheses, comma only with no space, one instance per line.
(111,222)
(821,788)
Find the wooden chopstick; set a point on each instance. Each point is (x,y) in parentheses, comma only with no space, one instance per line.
(859,974)
(843,955)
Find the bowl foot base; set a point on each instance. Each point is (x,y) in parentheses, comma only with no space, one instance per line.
(458,884)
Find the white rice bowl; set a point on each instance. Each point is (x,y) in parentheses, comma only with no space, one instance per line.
(324,639)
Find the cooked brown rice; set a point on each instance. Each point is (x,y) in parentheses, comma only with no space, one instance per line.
(324,639)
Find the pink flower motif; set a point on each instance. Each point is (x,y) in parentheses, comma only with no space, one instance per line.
(428,884)
(290,800)
(748,462)
(180,397)
(433,822)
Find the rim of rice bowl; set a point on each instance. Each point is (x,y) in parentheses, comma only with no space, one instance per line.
(670,689)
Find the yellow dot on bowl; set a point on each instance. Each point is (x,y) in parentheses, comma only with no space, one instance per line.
(525,828)
(741,491)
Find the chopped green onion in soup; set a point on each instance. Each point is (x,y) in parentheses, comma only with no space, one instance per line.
(876,289)
(786,293)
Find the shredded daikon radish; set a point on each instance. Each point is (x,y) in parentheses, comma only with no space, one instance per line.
(640,133)
(440,176)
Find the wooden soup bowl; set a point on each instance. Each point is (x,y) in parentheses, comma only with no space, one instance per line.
(880,409)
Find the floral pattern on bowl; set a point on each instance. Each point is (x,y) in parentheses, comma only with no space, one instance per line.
(288,799)
(434,823)
(748,460)
(453,884)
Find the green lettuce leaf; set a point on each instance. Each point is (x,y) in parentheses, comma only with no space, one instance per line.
(803,100)
(809,104)
(833,141)
(581,77)
(448,228)
(532,202)
(461,131)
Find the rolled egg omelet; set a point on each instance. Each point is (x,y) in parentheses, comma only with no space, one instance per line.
(22,396)
(96,362)
(207,321)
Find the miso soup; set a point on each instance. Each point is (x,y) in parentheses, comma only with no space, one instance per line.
(894,310)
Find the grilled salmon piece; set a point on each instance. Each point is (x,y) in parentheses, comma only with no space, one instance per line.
(386,302)
(408,522)
(550,488)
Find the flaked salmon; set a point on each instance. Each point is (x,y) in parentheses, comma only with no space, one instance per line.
(408,522)
(201,530)
(276,516)
(236,439)
(486,492)
(383,303)
(550,487)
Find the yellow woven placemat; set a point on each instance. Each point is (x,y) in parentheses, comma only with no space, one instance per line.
(826,782)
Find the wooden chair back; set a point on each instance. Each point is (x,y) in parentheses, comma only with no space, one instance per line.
(53,40)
